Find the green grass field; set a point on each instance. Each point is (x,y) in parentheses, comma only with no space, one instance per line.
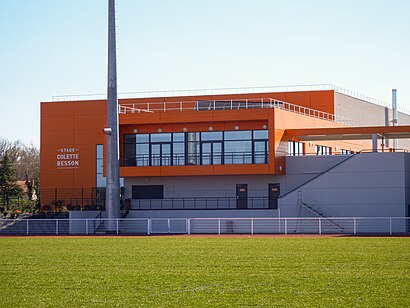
(188,272)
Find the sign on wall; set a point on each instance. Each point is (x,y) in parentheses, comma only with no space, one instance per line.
(68,158)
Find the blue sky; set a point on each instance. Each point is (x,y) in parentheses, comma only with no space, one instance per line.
(58,47)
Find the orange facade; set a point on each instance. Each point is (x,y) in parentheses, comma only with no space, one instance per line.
(70,132)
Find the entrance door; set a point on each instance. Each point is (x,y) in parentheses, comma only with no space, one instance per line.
(160,154)
(274,192)
(211,153)
(241,196)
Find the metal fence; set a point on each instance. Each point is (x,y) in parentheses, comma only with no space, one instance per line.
(200,203)
(148,226)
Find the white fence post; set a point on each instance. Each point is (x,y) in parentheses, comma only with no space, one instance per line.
(252,226)
(27,231)
(117,226)
(390,226)
(188,225)
(320,225)
(86,226)
(286,226)
(169,226)
(354,225)
(219,226)
(57,226)
(148,226)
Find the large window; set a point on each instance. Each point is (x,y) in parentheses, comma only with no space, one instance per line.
(196,148)
(322,150)
(295,148)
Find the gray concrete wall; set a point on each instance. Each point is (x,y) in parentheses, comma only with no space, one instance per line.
(300,169)
(205,186)
(367,185)
(364,113)
(204,214)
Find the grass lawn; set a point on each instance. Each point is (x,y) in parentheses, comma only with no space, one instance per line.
(189,271)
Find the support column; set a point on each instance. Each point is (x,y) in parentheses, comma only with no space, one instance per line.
(112,198)
(374,143)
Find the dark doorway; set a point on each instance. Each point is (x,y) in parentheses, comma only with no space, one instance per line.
(241,196)
(274,192)
(147,191)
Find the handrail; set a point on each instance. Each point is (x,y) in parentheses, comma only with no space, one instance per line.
(233,104)
(320,174)
(317,213)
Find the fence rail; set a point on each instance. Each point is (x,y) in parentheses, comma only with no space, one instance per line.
(148,226)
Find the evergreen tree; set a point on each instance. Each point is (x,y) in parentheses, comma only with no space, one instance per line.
(8,184)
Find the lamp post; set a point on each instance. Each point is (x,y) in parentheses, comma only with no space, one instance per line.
(112,196)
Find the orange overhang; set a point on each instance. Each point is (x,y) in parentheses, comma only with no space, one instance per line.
(348,133)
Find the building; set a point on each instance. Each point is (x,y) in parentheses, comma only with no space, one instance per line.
(291,153)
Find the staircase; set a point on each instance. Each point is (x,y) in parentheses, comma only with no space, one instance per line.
(321,215)
(319,175)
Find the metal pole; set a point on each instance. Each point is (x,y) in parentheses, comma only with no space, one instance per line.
(320,226)
(354,226)
(112,198)
(395,115)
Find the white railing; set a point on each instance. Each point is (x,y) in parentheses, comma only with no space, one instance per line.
(147,226)
(229,105)
(230,90)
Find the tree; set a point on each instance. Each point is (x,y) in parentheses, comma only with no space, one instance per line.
(8,184)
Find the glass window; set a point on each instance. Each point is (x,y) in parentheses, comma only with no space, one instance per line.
(295,148)
(211,136)
(178,137)
(238,135)
(238,146)
(100,150)
(166,137)
(260,134)
(141,138)
(143,148)
(179,147)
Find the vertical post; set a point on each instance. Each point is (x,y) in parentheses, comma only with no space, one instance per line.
(219,226)
(169,226)
(148,226)
(189,225)
(117,226)
(27,230)
(56,226)
(354,225)
(320,225)
(390,226)
(86,226)
(286,226)
(112,162)
(395,115)
(252,226)
(374,143)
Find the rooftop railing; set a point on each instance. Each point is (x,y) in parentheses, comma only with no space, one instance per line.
(236,104)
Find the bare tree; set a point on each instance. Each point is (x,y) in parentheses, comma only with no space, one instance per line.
(25,159)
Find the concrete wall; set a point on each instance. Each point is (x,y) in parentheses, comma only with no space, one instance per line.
(300,169)
(363,113)
(205,186)
(368,185)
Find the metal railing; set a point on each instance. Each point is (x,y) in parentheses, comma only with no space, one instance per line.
(199,203)
(225,158)
(234,104)
(231,90)
(147,226)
